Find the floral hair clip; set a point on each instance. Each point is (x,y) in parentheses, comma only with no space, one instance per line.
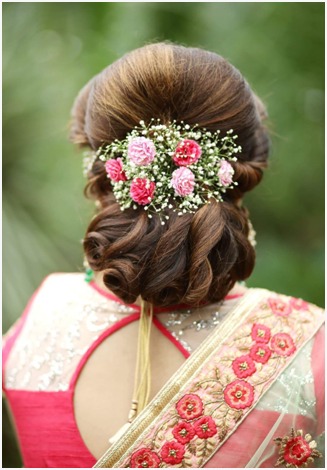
(175,166)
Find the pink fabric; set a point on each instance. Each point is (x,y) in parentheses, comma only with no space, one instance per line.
(51,414)
(16,330)
(240,448)
(49,436)
(318,367)
(47,430)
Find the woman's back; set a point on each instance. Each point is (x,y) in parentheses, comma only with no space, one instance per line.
(175,138)
(79,342)
(68,342)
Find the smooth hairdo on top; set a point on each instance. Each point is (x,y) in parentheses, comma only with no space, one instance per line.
(191,178)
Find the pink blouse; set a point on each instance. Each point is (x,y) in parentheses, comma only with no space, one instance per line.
(39,377)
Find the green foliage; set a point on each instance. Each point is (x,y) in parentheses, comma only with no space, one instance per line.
(50,50)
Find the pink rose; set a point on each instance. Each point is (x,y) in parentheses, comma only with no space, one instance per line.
(187,152)
(225,173)
(183,181)
(142,190)
(141,151)
(114,168)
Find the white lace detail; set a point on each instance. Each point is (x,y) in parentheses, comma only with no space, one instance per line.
(58,331)
(190,327)
(297,383)
(68,316)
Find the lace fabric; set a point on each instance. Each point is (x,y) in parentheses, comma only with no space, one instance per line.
(60,330)
(54,340)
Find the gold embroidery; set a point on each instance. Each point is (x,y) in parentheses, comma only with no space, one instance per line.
(227,396)
(296,451)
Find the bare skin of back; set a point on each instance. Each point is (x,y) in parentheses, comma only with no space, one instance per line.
(104,388)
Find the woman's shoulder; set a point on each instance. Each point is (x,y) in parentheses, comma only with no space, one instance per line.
(65,282)
(58,292)
(282,304)
(62,287)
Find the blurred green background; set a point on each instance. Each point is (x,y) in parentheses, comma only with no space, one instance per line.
(50,50)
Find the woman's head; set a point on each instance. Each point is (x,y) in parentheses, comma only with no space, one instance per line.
(193,258)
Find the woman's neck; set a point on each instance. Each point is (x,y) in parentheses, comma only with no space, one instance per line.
(238,289)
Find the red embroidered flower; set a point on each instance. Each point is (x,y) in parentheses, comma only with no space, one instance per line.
(114,168)
(183,432)
(260,353)
(145,458)
(282,344)
(190,406)
(243,366)
(187,152)
(297,451)
(205,427)
(299,304)
(172,452)
(279,307)
(142,190)
(260,333)
(239,394)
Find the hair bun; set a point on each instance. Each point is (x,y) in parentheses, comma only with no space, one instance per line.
(196,257)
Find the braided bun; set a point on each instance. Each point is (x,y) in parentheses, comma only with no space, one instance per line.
(193,258)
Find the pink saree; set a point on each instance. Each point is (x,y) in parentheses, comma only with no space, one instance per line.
(256,375)
(227,406)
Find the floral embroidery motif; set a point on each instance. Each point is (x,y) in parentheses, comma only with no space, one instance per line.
(226,389)
(172,452)
(299,304)
(296,451)
(183,432)
(205,427)
(279,307)
(260,333)
(243,366)
(260,353)
(145,458)
(239,394)
(283,344)
(190,406)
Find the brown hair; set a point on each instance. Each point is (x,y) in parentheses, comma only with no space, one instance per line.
(193,258)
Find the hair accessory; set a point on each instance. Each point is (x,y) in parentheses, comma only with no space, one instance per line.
(89,158)
(175,166)
(142,378)
(252,234)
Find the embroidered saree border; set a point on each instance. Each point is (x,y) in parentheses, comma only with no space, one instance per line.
(221,382)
